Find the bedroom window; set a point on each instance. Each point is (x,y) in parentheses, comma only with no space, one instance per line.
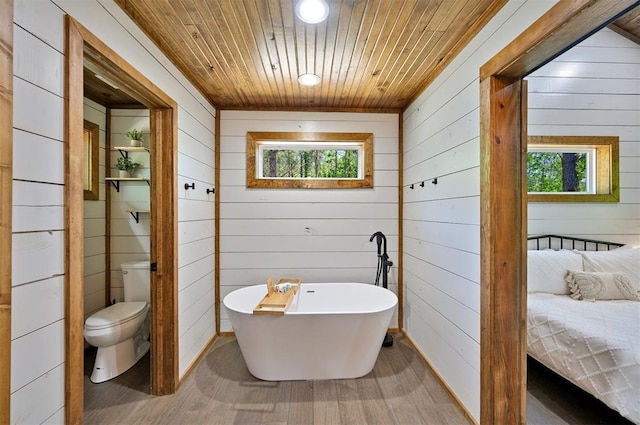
(309,160)
(560,169)
(572,169)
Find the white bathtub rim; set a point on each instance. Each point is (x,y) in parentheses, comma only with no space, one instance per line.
(230,301)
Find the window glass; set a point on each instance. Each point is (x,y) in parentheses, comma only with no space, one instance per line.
(309,160)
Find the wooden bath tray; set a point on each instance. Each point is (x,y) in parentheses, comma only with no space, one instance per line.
(276,303)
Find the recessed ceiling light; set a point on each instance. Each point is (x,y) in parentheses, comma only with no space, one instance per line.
(309,79)
(312,11)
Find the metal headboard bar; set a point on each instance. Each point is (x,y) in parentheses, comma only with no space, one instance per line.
(569,242)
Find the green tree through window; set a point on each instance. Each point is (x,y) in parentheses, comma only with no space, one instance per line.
(303,163)
(556,172)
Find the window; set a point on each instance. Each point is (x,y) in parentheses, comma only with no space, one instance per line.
(309,160)
(560,170)
(572,169)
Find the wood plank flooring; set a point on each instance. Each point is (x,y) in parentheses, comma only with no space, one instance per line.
(220,390)
(400,390)
(552,400)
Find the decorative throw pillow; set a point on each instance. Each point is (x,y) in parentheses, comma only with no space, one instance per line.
(546,270)
(624,260)
(601,286)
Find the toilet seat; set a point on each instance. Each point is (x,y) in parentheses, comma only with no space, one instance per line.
(115,315)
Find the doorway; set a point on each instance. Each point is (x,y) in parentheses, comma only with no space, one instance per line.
(503,207)
(83,45)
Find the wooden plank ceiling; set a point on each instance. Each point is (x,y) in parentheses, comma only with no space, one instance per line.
(629,25)
(370,54)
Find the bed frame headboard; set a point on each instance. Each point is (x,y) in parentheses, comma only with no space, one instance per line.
(557,242)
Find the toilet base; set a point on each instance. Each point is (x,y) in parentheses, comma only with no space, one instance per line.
(116,359)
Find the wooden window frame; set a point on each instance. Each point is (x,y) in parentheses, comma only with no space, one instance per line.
(254,139)
(607,168)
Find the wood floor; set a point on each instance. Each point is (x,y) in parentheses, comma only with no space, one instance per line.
(400,390)
(220,390)
(553,400)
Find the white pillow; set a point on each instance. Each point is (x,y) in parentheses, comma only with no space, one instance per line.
(623,260)
(601,286)
(546,270)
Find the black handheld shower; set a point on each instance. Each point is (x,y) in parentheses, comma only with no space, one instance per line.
(380,239)
(383,258)
(383,269)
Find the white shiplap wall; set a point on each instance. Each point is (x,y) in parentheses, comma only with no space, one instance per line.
(592,90)
(95,222)
(37,372)
(316,234)
(441,223)
(130,241)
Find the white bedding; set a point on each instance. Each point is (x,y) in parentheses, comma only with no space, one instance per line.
(595,345)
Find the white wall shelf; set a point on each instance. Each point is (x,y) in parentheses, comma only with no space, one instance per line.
(136,214)
(124,150)
(115,181)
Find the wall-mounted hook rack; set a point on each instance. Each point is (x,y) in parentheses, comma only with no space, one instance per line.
(188,186)
(422,183)
(210,191)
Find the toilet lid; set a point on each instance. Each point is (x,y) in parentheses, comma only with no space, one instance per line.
(115,314)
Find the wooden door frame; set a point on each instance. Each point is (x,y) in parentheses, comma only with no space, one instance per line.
(80,44)
(503,206)
(6,182)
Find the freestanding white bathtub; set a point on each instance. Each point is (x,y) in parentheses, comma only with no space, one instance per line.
(330,331)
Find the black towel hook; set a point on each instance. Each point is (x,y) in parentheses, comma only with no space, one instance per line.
(188,186)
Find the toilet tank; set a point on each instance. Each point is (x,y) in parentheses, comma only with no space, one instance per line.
(137,281)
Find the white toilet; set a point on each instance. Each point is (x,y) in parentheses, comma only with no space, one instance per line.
(121,331)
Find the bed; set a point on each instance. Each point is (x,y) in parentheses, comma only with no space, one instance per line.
(591,340)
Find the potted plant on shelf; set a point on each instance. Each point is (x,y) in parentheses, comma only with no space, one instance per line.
(126,166)
(134,136)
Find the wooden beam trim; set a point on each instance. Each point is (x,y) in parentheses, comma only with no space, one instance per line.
(107,206)
(216,236)
(98,51)
(164,291)
(6,202)
(503,209)
(400,221)
(626,34)
(564,25)
(74,243)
